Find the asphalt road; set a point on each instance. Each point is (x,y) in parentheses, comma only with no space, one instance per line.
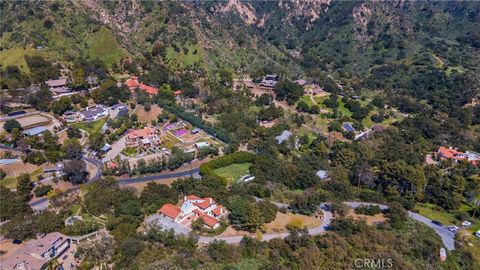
(446,235)
(194,172)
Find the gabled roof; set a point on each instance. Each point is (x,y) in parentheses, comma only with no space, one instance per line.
(217,211)
(210,221)
(132,82)
(149,89)
(170,210)
(207,202)
(193,197)
(140,133)
(448,152)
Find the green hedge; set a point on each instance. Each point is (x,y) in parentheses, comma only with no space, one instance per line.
(208,168)
(196,121)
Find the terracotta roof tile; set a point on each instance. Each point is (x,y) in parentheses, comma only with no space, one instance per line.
(170,210)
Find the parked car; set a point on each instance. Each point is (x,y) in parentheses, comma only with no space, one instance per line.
(17,241)
(453,228)
(466,224)
(436,222)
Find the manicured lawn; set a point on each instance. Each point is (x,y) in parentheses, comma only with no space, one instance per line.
(427,210)
(234,171)
(92,127)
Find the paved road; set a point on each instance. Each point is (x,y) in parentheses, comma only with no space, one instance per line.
(446,235)
(194,172)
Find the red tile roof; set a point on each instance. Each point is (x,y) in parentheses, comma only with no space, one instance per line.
(112,165)
(150,89)
(217,211)
(178,92)
(132,82)
(193,197)
(206,203)
(210,221)
(170,210)
(448,152)
(140,133)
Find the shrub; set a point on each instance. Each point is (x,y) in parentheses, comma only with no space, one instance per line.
(42,190)
(369,210)
(295,223)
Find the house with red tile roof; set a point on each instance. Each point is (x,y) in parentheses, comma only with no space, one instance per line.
(134,84)
(193,208)
(145,136)
(451,153)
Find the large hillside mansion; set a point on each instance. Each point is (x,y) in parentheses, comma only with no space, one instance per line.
(193,208)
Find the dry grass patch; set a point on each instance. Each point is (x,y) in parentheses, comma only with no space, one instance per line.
(283,220)
(147,117)
(370,220)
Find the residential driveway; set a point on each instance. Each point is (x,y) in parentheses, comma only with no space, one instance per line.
(117,148)
(164,223)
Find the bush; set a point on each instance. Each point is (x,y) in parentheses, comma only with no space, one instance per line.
(295,223)
(11,124)
(369,210)
(82,227)
(42,190)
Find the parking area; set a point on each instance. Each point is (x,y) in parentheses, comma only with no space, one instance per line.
(164,223)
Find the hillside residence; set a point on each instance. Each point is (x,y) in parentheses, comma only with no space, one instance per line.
(134,84)
(283,137)
(58,86)
(36,253)
(269,81)
(452,153)
(93,113)
(193,208)
(348,127)
(145,136)
(71,116)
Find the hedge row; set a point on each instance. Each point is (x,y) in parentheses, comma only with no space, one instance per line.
(196,121)
(208,168)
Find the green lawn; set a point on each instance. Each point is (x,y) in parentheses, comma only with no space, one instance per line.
(16,57)
(11,182)
(428,211)
(92,127)
(306,99)
(234,171)
(129,151)
(342,109)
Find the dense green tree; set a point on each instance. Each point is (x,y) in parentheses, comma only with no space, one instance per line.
(155,195)
(11,124)
(24,186)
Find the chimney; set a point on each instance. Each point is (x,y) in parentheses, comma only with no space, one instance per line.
(210,200)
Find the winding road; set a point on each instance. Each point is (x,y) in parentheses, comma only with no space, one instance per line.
(448,237)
